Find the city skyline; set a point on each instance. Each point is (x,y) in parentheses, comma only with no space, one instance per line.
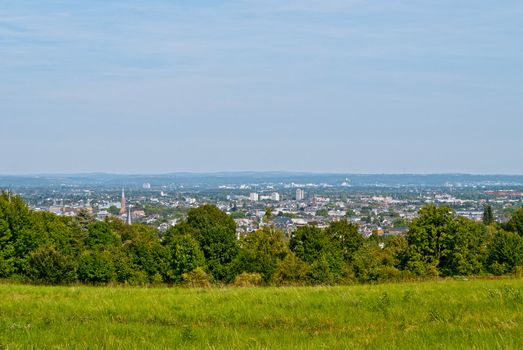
(154,87)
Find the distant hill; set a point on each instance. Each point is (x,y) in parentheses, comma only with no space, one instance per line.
(231,178)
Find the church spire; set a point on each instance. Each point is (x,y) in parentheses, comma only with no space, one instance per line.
(122,204)
(128,221)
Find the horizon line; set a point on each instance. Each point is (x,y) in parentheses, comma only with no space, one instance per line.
(244,172)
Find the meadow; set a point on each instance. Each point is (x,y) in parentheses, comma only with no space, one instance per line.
(481,314)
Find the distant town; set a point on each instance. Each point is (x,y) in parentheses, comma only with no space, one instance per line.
(379,204)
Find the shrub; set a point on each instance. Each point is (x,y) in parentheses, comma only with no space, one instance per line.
(185,255)
(505,252)
(260,252)
(290,271)
(95,268)
(138,278)
(385,273)
(48,265)
(197,278)
(248,279)
(320,273)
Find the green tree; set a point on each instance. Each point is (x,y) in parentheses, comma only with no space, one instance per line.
(505,252)
(113,210)
(95,267)
(291,271)
(19,234)
(54,230)
(268,214)
(312,245)
(215,231)
(146,253)
(83,219)
(346,236)
(184,255)
(463,253)
(440,242)
(488,215)
(181,229)
(124,269)
(371,263)
(238,215)
(261,251)
(320,272)
(100,236)
(515,224)
(322,212)
(427,239)
(49,266)
(7,250)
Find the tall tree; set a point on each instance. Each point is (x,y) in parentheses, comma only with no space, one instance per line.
(515,224)
(312,245)
(505,252)
(7,249)
(184,255)
(100,236)
(427,239)
(346,236)
(441,242)
(215,231)
(488,215)
(261,251)
(464,249)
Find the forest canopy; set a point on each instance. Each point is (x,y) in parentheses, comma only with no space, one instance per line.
(204,249)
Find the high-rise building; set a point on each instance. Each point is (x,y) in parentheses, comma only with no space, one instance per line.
(254,197)
(300,194)
(122,203)
(146,186)
(275,196)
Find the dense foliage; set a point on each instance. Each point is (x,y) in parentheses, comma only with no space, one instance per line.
(203,249)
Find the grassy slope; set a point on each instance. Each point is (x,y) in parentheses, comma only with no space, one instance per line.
(450,314)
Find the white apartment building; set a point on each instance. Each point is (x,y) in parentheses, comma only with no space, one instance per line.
(300,194)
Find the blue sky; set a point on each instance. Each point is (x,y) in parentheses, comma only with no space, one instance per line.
(312,85)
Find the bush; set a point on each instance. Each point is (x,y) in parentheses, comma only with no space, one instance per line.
(247,279)
(138,278)
(384,274)
(320,273)
(95,268)
(260,252)
(290,271)
(7,261)
(49,266)
(197,278)
(505,252)
(123,267)
(184,255)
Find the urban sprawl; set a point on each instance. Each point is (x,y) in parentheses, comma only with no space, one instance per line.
(376,208)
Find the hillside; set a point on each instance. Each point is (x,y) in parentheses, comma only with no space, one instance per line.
(447,314)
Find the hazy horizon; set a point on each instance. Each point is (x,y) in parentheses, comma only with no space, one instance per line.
(240,172)
(332,86)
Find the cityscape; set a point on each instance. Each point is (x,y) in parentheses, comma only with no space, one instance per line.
(261,174)
(378,204)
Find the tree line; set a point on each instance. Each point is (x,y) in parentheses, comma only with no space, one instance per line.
(203,249)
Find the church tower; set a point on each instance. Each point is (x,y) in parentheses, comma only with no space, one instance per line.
(122,204)
(128,219)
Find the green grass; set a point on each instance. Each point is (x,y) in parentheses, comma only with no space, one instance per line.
(433,315)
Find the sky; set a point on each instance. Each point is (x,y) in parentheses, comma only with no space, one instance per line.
(354,86)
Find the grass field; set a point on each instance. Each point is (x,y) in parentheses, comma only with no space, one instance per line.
(449,314)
